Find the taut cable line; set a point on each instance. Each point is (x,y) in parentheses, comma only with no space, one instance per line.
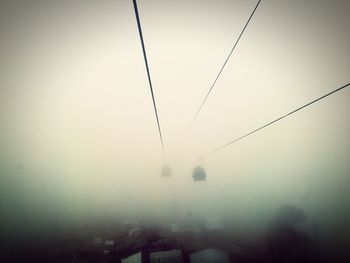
(222,67)
(276,120)
(148,71)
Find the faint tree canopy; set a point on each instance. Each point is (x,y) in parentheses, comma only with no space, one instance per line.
(285,242)
(289,214)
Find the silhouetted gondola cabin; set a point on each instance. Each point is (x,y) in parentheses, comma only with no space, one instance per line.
(166,171)
(199,174)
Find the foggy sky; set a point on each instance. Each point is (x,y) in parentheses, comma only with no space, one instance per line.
(76,110)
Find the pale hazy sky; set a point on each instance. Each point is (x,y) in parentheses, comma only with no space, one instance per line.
(75,101)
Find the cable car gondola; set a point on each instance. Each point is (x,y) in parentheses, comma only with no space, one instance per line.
(199,174)
(166,171)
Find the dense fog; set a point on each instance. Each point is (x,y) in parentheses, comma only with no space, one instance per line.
(79,144)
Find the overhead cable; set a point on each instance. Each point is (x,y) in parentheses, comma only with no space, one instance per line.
(147,69)
(276,120)
(223,66)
